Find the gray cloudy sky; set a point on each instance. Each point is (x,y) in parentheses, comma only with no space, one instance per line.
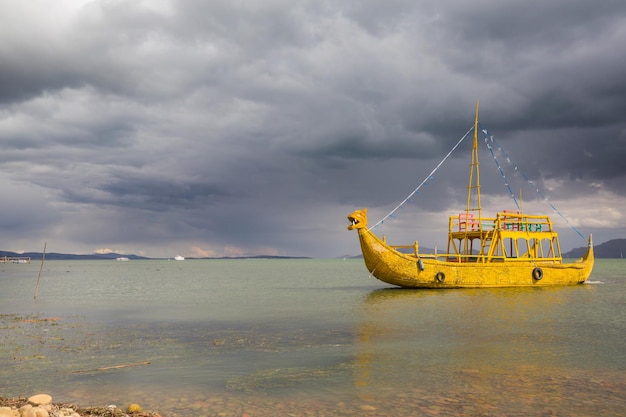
(210,128)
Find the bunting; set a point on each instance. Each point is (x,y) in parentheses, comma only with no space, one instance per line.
(506,182)
(490,140)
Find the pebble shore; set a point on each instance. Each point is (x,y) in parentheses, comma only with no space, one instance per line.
(41,405)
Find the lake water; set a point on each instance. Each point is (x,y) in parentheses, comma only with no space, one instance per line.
(308,338)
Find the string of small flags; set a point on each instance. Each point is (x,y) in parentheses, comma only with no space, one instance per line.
(490,138)
(506,182)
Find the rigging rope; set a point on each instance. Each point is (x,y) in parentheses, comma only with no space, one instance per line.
(506,182)
(489,138)
(428,177)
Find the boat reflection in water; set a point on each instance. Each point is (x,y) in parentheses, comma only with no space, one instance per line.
(477,350)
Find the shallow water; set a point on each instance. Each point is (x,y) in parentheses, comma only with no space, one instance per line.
(308,337)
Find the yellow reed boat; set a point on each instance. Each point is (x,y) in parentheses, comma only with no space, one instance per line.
(511,249)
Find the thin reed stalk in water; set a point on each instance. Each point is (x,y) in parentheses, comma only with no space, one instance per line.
(43,256)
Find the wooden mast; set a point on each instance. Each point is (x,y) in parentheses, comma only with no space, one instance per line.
(473,187)
(474,176)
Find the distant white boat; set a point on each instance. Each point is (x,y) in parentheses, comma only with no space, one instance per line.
(122,258)
(179,258)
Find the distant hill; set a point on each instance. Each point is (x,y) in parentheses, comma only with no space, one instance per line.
(63,256)
(611,249)
(104,256)
(257,257)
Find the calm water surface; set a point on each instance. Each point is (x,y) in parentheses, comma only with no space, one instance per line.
(322,334)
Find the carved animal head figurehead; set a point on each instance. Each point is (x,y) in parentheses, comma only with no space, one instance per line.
(358,219)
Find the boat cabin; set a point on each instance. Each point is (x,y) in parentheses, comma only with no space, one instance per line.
(509,236)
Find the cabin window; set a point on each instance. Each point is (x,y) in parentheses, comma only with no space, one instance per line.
(523,248)
(508,248)
(542,248)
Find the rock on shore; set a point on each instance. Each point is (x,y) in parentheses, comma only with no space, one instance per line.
(41,405)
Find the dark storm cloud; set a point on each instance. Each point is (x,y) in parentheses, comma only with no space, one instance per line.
(238,127)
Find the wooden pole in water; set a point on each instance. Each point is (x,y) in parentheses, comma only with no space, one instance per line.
(43,256)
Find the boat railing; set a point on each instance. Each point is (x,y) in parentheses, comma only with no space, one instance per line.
(454,257)
(474,257)
(506,220)
(414,250)
(515,221)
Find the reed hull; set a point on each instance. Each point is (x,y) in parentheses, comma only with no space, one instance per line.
(405,270)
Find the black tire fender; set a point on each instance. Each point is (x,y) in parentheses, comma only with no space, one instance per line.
(440,276)
(537,274)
